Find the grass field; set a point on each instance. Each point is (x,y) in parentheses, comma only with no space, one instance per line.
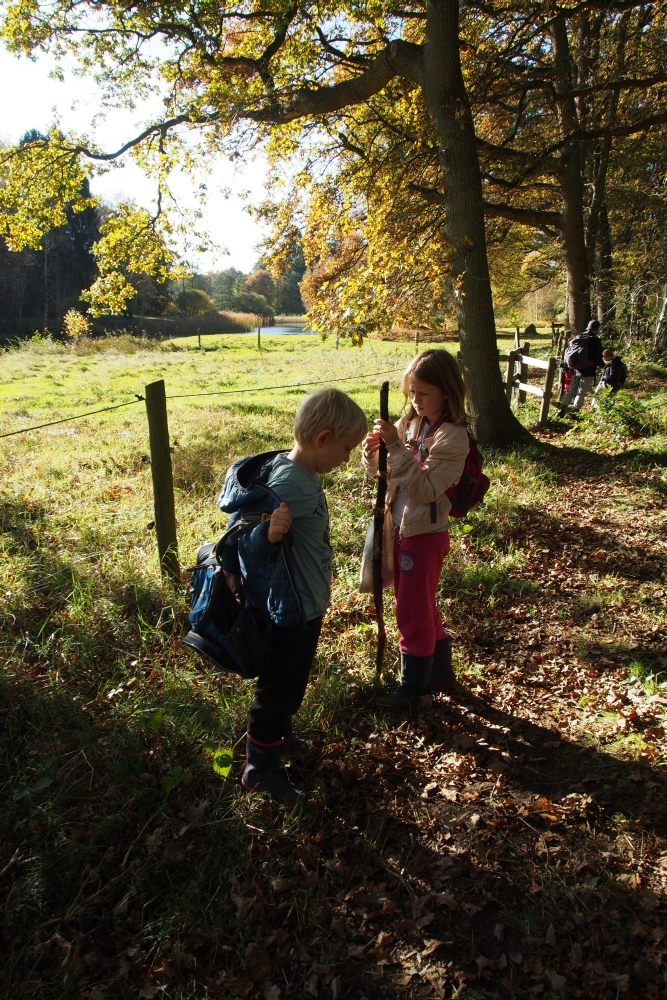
(461,852)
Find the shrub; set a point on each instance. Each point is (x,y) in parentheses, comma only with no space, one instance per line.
(194,302)
(626,414)
(250,302)
(76,325)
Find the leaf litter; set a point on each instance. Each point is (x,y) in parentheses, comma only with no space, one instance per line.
(509,844)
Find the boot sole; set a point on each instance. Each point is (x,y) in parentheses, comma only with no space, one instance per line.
(423,702)
(285,802)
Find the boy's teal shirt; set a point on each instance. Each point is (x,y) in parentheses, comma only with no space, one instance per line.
(311,552)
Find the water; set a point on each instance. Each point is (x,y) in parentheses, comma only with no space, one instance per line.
(284,331)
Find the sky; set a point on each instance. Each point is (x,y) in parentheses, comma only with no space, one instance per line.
(29,102)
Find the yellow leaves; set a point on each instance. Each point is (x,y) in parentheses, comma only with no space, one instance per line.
(133,243)
(38,180)
(76,325)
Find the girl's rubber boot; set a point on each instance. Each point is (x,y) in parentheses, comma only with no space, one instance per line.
(413,691)
(443,678)
(263,772)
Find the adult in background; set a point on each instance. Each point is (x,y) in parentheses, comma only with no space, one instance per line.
(584,356)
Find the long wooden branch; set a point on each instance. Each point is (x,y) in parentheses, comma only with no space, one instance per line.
(397,59)
(541,219)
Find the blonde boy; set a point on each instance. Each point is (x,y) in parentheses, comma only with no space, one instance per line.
(327,427)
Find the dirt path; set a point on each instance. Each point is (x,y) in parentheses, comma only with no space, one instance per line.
(512,845)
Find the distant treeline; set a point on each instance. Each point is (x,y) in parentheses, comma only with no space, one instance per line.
(37,287)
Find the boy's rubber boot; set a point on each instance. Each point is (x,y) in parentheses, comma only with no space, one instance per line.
(263,772)
(413,691)
(443,678)
(295,748)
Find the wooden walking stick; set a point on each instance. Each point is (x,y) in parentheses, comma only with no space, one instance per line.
(378,534)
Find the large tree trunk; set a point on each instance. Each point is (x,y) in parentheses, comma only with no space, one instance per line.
(447,103)
(572,187)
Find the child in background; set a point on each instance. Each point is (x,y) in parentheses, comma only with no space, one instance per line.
(327,427)
(426,454)
(566,374)
(615,372)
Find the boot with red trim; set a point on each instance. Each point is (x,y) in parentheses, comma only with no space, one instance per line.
(263,772)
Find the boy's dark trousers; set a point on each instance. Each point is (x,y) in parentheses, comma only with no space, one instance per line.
(281,687)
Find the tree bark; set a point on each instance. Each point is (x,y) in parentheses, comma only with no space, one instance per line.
(449,109)
(572,187)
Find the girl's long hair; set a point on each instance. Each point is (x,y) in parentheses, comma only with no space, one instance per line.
(439,368)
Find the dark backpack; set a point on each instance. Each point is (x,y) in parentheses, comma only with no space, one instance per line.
(223,630)
(621,371)
(576,354)
(471,487)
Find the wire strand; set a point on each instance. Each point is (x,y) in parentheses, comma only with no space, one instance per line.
(193,395)
(291,385)
(77,416)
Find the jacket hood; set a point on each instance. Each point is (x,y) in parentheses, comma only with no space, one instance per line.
(246,480)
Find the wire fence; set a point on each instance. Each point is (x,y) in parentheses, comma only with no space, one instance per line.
(192,395)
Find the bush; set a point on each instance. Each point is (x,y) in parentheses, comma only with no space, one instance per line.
(626,414)
(194,302)
(250,302)
(76,325)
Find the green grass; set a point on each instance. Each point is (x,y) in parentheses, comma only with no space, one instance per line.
(128,840)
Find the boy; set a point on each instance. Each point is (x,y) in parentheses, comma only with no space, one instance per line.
(614,374)
(293,597)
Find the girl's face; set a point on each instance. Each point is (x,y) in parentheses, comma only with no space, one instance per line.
(428,400)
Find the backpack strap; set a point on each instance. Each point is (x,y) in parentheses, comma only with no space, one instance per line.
(240,527)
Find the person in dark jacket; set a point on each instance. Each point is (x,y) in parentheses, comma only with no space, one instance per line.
(291,594)
(615,371)
(614,374)
(584,376)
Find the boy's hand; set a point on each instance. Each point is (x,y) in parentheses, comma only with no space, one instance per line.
(386,430)
(233,581)
(281,521)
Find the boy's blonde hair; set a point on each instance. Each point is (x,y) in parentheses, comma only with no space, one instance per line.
(329,410)
(441,369)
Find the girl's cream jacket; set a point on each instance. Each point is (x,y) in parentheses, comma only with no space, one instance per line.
(447,453)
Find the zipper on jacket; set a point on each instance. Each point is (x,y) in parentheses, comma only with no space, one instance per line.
(282,550)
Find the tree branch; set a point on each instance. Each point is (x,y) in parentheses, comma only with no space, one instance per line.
(398,59)
(544,220)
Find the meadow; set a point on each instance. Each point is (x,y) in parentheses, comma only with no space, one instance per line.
(467,851)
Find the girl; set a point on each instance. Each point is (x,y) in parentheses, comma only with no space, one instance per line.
(426,453)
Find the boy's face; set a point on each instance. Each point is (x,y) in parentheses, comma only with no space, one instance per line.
(328,453)
(608,356)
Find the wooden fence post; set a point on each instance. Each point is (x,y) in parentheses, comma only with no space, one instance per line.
(548,388)
(259,333)
(523,372)
(163,480)
(509,374)
(416,341)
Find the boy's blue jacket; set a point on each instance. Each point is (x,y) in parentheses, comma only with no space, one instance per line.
(268,576)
